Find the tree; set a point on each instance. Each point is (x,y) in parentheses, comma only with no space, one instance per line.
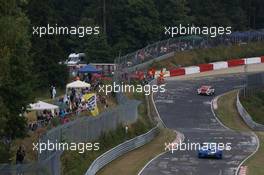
(174,12)
(15,66)
(135,24)
(47,51)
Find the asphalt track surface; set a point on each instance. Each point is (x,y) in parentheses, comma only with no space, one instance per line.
(182,109)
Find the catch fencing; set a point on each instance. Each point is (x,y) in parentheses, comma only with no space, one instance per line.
(161,49)
(83,129)
(88,128)
(246,116)
(254,83)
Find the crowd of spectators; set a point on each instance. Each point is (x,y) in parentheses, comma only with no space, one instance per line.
(187,43)
(71,104)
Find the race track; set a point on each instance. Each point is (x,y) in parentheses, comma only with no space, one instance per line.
(183,110)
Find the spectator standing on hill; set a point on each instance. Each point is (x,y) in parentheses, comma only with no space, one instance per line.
(50,90)
(54,92)
(20,155)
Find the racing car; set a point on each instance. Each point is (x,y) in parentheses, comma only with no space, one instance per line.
(206,90)
(209,150)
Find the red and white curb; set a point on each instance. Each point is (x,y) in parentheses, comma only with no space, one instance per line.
(210,66)
(243,170)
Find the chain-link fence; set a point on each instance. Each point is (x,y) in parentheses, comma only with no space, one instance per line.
(84,129)
(185,43)
(254,83)
(50,166)
(246,116)
(87,128)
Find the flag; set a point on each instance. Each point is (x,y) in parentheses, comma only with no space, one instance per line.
(91,103)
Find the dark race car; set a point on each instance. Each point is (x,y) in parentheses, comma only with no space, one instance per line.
(209,150)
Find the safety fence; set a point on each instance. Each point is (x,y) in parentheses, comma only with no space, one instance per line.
(254,84)
(50,166)
(132,144)
(87,128)
(246,116)
(173,45)
(120,150)
(83,129)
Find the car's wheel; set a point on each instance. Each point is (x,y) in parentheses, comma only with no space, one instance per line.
(219,156)
(200,155)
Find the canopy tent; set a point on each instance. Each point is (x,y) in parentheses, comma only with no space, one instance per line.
(89,69)
(41,106)
(78,84)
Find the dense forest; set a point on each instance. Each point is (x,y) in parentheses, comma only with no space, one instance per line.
(29,63)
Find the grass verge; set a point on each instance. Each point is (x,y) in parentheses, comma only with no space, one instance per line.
(255,163)
(254,104)
(75,163)
(228,114)
(198,56)
(132,162)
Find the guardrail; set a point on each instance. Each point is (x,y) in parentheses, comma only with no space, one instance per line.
(121,149)
(131,144)
(246,116)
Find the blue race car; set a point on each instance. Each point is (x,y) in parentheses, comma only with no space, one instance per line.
(209,150)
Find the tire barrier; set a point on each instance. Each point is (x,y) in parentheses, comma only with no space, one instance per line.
(246,116)
(120,150)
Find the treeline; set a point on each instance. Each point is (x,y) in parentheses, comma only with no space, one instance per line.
(125,26)
(29,63)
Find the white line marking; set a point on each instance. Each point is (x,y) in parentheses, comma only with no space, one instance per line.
(238,168)
(212,109)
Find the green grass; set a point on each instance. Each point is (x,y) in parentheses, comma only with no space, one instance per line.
(132,162)
(75,163)
(45,95)
(228,114)
(254,104)
(219,53)
(256,163)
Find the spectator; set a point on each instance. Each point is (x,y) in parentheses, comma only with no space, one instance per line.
(54,92)
(51,88)
(20,155)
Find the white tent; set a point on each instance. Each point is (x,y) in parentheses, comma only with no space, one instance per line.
(78,84)
(41,106)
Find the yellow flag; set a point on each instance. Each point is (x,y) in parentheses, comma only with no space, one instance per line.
(91,103)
